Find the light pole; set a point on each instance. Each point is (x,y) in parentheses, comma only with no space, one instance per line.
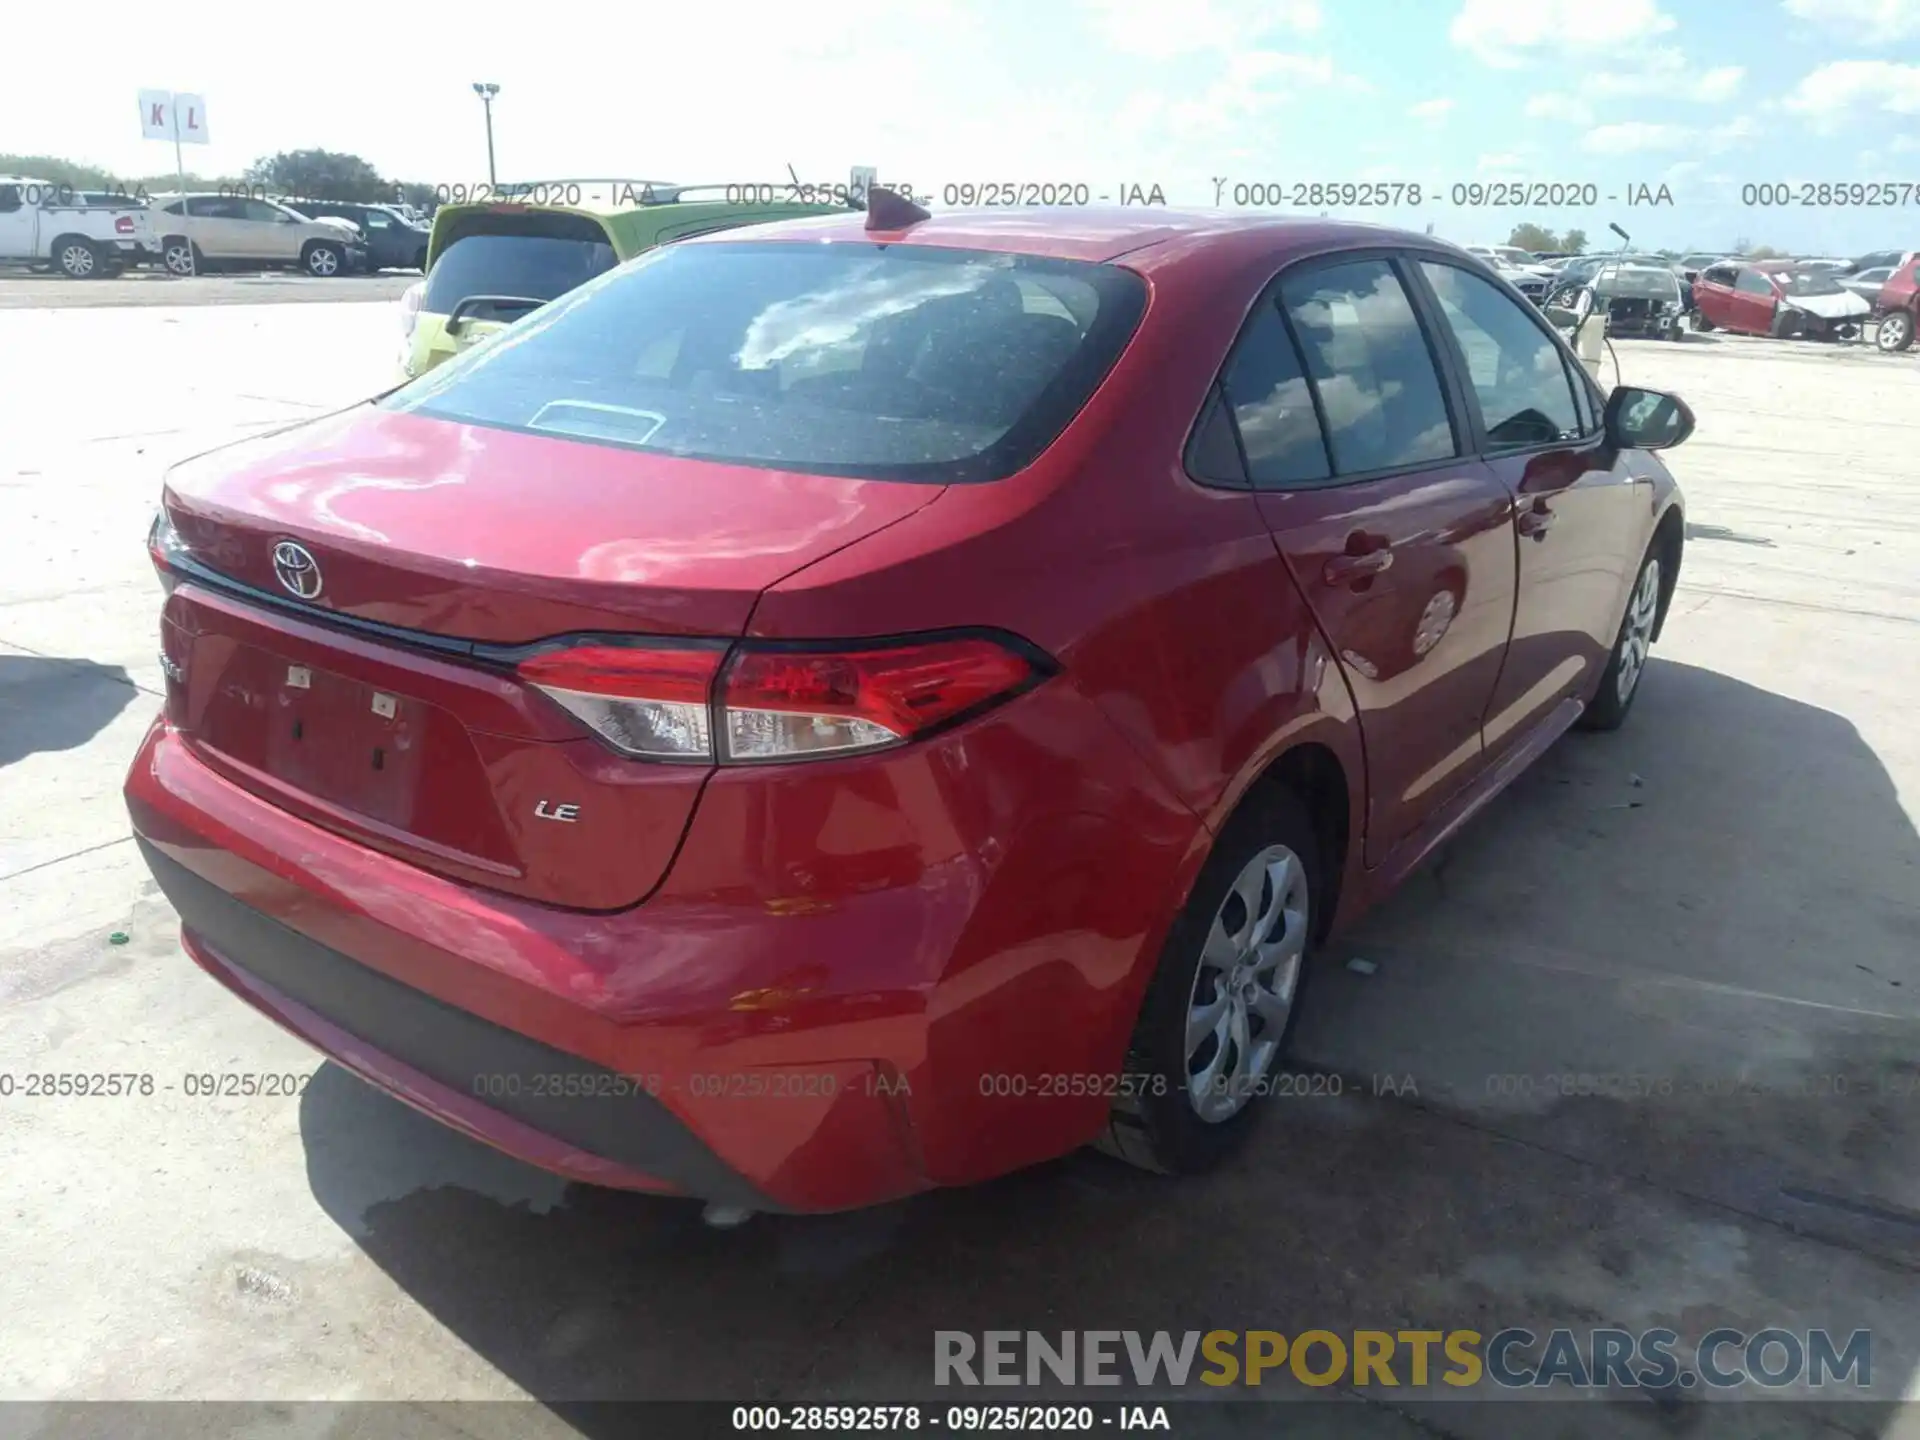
(486,94)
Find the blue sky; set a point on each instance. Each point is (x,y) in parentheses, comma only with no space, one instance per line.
(1703,96)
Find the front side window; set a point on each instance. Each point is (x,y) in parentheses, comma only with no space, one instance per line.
(1370,366)
(263,213)
(1518,375)
(886,362)
(1752,282)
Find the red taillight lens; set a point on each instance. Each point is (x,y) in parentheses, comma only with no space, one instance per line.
(649,702)
(789,704)
(124,225)
(658,701)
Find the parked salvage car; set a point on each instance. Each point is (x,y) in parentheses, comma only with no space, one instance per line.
(1867,284)
(47,225)
(210,230)
(491,263)
(1897,307)
(1772,297)
(393,242)
(1638,300)
(750,730)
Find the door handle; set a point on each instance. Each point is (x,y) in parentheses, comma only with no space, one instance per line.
(1347,569)
(1535,522)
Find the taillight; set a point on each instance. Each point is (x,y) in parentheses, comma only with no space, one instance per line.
(776,703)
(790,704)
(124,225)
(410,307)
(164,547)
(644,702)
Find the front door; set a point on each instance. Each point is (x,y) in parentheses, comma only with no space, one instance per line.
(1713,294)
(1578,511)
(1399,540)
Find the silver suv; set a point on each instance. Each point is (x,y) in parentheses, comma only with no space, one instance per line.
(203,231)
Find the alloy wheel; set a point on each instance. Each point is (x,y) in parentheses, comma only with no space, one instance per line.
(323,261)
(77,261)
(1244,990)
(1636,636)
(179,260)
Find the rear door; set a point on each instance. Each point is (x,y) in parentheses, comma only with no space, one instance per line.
(1580,515)
(219,226)
(1753,302)
(1713,294)
(1398,538)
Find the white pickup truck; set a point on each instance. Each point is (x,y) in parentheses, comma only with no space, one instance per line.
(46,224)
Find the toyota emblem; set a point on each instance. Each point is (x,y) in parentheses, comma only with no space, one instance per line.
(296,569)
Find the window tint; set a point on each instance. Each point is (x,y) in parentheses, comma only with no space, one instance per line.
(1718,275)
(173,208)
(261,211)
(1370,366)
(1752,282)
(894,362)
(1213,455)
(1517,373)
(1272,407)
(9,198)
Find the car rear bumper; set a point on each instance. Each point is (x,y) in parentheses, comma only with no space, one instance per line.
(812,1051)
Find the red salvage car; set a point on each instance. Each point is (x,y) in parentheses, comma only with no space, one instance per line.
(1778,298)
(814,716)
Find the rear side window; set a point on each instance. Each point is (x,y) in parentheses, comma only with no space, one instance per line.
(1370,365)
(892,362)
(524,266)
(1517,373)
(1752,282)
(1272,407)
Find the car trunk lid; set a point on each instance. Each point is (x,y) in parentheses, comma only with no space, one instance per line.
(364,678)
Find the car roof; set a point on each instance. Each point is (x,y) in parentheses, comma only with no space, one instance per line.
(1094,233)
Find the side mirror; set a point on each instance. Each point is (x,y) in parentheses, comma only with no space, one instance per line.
(1639,419)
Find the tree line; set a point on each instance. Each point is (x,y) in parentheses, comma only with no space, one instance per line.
(311,174)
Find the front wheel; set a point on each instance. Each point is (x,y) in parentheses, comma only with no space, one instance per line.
(1219,1012)
(1895,331)
(325,260)
(1701,322)
(78,260)
(1621,682)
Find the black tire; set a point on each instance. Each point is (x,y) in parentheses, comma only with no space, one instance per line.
(1785,325)
(1895,332)
(78,258)
(1158,1127)
(324,260)
(179,256)
(1609,708)
(1701,322)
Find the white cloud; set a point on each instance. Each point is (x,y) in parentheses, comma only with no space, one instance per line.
(1632,137)
(1833,92)
(1511,33)
(1667,74)
(1163,29)
(1551,106)
(1436,109)
(1864,22)
(1718,84)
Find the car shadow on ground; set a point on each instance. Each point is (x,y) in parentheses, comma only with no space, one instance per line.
(1701,914)
(57,704)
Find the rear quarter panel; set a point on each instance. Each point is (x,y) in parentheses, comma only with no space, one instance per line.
(1173,616)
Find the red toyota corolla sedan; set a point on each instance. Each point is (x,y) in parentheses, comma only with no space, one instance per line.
(859,706)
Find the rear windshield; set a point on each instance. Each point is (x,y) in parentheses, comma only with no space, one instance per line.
(1637,282)
(524,266)
(892,362)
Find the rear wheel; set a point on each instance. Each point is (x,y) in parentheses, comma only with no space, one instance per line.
(1895,331)
(1219,1012)
(1621,682)
(181,257)
(1785,325)
(77,259)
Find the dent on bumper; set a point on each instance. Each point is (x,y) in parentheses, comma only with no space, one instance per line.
(811,1053)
